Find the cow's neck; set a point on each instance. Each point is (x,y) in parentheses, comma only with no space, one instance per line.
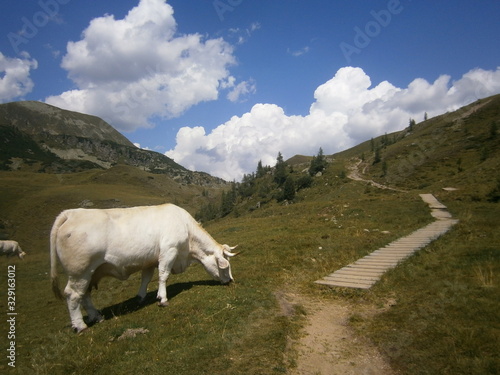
(201,241)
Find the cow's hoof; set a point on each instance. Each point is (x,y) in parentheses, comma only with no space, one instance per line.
(79,330)
(162,304)
(96,319)
(140,300)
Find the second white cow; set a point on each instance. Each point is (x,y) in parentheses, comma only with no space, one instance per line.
(94,243)
(11,248)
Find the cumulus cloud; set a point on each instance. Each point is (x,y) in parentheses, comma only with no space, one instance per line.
(132,69)
(15,78)
(347,110)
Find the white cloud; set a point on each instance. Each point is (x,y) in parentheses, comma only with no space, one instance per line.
(242,35)
(242,89)
(129,70)
(346,111)
(15,78)
(300,52)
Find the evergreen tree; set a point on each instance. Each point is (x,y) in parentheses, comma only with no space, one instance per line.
(412,124)
(376,158)
(280,170)
(289,189)
(261,172)
(228,199)
(304,182)
(385,140)
(247,185)
(318,163)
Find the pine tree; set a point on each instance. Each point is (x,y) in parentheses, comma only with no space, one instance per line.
(412,124)
(289,189)
(318,163)
(280,170)
(260,170)
(376,158)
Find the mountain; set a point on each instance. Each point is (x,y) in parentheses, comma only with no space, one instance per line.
(45,138)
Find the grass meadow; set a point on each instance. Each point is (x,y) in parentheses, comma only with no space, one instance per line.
(444,318)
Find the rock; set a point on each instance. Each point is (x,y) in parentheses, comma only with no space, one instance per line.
(131,333)
(86,203)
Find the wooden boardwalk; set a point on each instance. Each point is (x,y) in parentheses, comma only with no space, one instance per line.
(365,272)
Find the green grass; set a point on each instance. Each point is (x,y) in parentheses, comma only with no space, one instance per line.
(239,329)
(207,328)
(445,319)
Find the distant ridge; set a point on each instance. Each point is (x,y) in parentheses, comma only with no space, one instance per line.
(42,120)
(49,139)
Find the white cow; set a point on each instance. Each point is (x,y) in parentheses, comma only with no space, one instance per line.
(93,243)
(11,248)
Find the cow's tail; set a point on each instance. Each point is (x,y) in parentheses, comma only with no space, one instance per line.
(53,254)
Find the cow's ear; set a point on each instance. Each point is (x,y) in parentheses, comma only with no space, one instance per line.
(222,263)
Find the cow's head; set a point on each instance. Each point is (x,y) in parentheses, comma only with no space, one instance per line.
(217,265)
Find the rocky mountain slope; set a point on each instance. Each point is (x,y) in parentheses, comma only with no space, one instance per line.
(41,137)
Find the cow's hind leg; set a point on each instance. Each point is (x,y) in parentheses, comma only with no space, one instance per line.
(94,315)
(147,275)
(75,290)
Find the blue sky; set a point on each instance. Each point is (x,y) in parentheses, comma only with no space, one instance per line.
(220,84)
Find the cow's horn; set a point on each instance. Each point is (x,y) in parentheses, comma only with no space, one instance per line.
(230,254)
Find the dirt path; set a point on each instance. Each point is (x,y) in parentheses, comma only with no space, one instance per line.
(354,174)
(329,346)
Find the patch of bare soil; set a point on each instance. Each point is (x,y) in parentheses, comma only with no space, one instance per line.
(354,174)
(329,346)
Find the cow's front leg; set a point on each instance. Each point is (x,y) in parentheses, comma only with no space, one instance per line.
(165,264)
(147,275)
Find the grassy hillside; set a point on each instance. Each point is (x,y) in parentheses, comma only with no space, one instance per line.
(459,149)
(444,315)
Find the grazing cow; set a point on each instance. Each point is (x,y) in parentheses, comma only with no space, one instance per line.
(93,243)
(11,248)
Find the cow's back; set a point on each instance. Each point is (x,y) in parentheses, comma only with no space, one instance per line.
(120,236)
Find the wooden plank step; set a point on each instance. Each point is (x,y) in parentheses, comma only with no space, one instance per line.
(345,284)
(345,277)
(432,201)
(375,261)
(395,253)
(383,257)
(396,250)
(367,266)
(356,271)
